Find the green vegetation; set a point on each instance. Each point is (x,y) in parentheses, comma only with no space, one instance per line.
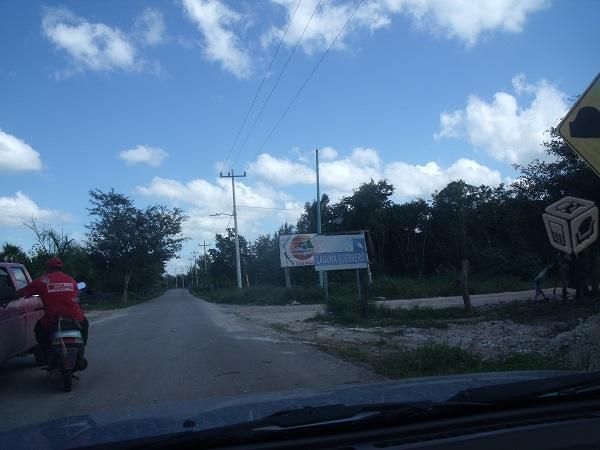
(441,359)
(417,247)
(542,312)
(124,252)
(444,286)
(261,295)
(345,311)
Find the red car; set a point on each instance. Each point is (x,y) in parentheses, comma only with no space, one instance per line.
(17,317)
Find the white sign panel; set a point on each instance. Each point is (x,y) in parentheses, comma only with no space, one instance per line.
(296,250)
(571,224)
(339,252)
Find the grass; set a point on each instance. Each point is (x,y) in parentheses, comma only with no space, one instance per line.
(345,312)
(542,312)
(262,295)
(442,359)
(444,286)
(114,302)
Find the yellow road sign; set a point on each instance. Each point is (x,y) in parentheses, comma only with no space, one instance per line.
(581,126)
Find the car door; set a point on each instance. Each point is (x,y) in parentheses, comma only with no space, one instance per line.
(32,308)
(12,323)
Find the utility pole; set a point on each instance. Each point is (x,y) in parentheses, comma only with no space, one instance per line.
(235,224)
(204,244)
(195,255)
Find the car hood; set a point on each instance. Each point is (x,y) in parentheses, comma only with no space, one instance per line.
(164,419)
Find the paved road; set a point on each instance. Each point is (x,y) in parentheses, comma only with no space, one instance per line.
(173,348)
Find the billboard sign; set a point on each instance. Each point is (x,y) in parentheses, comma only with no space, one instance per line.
(340,252)
(296,250)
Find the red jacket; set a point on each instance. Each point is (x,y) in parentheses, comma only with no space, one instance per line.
(59,294)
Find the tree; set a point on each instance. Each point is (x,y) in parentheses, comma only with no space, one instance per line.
(13,253)
(127,240)
(51,242)
(222,257)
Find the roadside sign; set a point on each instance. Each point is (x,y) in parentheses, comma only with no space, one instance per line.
(571,224)
(340,252)
(296,250)
(580,128)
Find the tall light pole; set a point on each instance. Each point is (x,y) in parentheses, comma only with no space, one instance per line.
(318,207)
(238,264)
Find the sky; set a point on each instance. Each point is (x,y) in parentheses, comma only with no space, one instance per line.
(156,98)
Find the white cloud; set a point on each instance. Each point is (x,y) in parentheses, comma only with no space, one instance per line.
(468,20)
(20,208)
(149,27)
(282,172)
(17,155)
(92,46)
(340,176)
(203,198)
(422,180)
(449,124)
(464,20)
(506,131)
(216,21)
(143,154)
(343,175)
(328,153)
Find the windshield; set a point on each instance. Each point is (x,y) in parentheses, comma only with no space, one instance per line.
(288,196)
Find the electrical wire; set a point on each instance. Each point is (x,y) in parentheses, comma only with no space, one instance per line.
(261,84)
(307,80)
(276,82)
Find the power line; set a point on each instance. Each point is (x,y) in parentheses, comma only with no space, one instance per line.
(307,79)
(261,83)
(276,83)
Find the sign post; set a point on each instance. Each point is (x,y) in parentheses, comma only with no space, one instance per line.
(580,128)
(342,252)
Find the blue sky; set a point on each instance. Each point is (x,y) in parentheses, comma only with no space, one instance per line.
(147,97)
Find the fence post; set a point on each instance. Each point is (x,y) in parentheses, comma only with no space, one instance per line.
(464,283)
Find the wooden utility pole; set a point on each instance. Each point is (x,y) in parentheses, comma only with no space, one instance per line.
(464,284)
(204,245)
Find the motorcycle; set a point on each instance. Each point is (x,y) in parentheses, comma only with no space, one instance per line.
(66,351)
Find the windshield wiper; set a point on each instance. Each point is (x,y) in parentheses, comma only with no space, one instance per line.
(525,390)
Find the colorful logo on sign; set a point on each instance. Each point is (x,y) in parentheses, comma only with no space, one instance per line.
(302,248)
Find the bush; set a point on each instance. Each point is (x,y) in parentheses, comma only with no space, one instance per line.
(262,295)
(441,359)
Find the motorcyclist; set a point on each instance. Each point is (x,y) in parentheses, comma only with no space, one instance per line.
(60,297)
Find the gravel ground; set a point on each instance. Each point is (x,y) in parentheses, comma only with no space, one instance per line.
(489,339)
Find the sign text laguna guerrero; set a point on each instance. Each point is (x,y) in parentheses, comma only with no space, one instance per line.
(340,252)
